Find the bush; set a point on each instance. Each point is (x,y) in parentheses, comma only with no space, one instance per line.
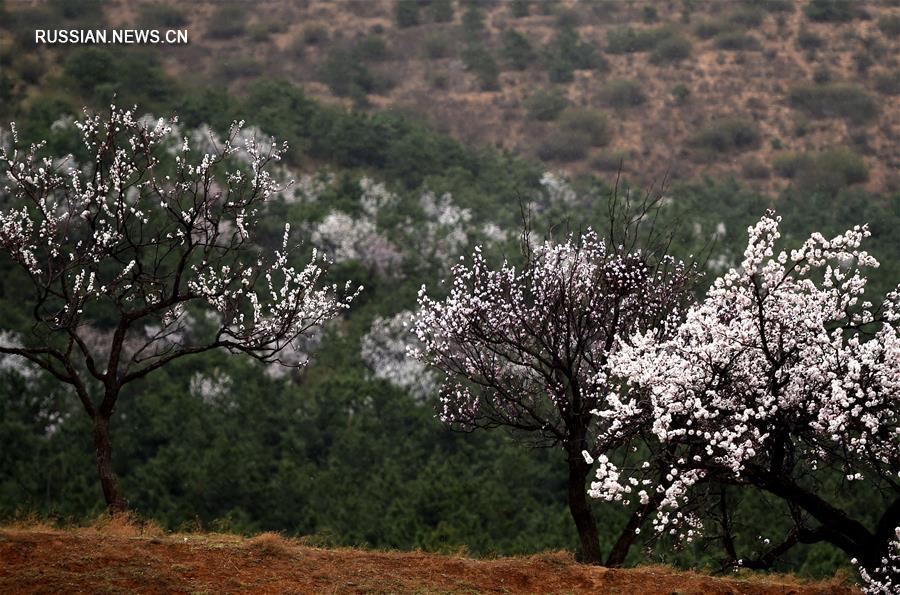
(546,105)
(563,145)
(314,34)
(708,29)
(226,22)
(238,67)
(736,41)
(473,22)
(827,171)
(371,47)
(807,40)
(437,45)
(755,169)
(519,8)
(776,5)
(747,16)
(680,93)
(442,11)
(163,16)
(890,26)
(406,13)
(611,161)
(888,83)
(630,40)
(671,50)
(347,76)
(727,135)
(592,122)
(832,11)
(567,53)
(517,52)
(478,59)
(844,100)
(623,93)
(89,66)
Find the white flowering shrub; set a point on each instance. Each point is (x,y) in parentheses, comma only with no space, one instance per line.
(345,238)
(526,348)
(386,350)
(784,372)
(558,189)
(144,234)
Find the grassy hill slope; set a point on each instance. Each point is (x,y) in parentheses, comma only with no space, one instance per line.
(119,557)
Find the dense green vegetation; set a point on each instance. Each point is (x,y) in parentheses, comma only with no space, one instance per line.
(334,452)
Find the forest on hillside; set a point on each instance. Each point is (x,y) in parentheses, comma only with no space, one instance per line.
(398,393)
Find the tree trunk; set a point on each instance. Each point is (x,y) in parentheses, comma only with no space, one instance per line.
(580,509)
(630,532)
(108,480)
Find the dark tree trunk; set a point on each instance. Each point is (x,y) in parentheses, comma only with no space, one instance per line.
(108,480)
(629,533)
(580,508)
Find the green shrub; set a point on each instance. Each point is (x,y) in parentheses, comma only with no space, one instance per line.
(747,16)
(708,29)
(649,14)
(890,26)
(565,146)
(238,67)
(590,121)
(629,40)
(785,164)
(567,19)
(755,169)
(671,50)
(89,66)
(297,47)
(314,34)
(623,93)
(406,13)
(228,21)
(258,32)
(519,8)
(776,5)
(827,171)
(566,53)
(371,47)
(437,45)
(86,10)
(611,161)
(473,21)
(736,41)
(807,40)
(517,52)
(546,105)
(832,11)
(347,76)
(845,100)
(163,16)
(726,135)
(478,59)
(888,83)
(442,11)
(680,93)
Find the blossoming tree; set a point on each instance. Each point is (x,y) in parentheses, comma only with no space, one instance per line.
(118,247)
(524,348)
(784,376)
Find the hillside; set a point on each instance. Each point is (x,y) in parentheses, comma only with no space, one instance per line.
(123,558)
(690,88)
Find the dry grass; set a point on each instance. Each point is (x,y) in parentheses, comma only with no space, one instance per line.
(120,555)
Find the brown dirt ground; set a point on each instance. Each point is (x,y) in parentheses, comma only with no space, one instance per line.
(125,558)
